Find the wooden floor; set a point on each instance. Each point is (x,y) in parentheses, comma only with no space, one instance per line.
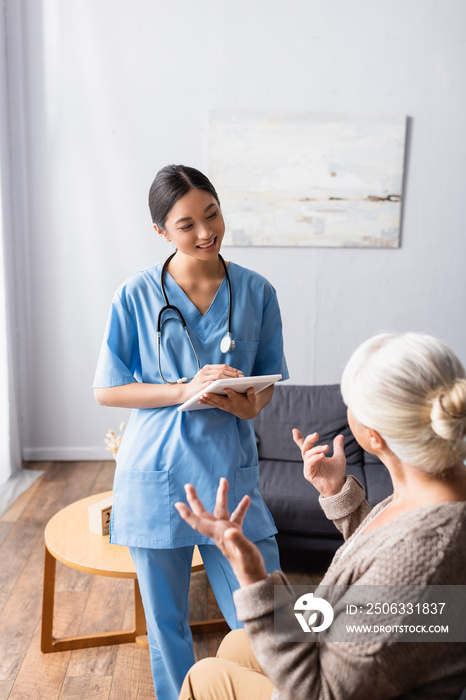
(83,603)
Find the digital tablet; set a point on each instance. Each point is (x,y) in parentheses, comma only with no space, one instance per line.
(240,384)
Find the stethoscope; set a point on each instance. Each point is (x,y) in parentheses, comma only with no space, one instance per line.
(227,344)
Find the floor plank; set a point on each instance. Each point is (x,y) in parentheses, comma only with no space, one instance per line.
(22,503)
(5,528)
(5,689)
(15,552)
(21,612)
(132,678)
(41,676)
(82,687)
(104,480)
(68,579)
(105,611)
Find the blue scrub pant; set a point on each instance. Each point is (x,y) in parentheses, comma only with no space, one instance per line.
(164,576)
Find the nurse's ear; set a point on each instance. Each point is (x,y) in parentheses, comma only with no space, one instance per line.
(161,232)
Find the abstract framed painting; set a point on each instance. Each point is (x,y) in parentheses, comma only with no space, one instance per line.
(308,179)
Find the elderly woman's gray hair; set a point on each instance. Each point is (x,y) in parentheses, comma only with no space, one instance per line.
(411,389)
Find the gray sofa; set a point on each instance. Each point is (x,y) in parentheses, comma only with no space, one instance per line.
(290,498)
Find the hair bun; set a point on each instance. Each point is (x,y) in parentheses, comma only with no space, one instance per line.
(448,414)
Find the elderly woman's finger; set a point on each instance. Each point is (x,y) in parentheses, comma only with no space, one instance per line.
(187,514)
(195,502)
(298,437)
(309,442)
(221,502)
(238,514)
(204,525)
(317,450)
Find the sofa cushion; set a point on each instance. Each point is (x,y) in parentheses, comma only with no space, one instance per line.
(293,501)
(310,409)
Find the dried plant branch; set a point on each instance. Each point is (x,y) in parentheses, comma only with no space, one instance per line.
(113,441)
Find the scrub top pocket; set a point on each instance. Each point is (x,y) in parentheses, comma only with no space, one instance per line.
(243,356)
(141,508)
(246,482)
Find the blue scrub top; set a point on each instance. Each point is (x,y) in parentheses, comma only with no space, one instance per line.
(163,449)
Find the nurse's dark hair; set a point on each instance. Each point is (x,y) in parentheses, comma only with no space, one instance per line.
(170,184)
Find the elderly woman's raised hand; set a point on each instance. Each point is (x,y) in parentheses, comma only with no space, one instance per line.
(225,530)
(326,474)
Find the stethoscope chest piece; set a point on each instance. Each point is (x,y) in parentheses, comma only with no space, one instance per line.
(227,344)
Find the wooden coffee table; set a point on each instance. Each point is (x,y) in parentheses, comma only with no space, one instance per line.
(68,540)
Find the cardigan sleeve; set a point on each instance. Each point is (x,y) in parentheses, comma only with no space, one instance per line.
(311,670)
(348,508)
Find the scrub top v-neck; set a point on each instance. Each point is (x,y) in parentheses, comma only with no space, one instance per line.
(177,292)
(163,449)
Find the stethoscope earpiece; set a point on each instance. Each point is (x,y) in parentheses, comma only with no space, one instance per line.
(227,344)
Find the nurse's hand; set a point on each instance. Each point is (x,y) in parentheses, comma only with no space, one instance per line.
(207,375)
(241,405)
(225,530)
(244,406)
(326,474)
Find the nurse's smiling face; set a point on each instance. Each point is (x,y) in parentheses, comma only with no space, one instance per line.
(195,225)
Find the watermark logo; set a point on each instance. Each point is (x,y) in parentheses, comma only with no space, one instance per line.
(360,613)
(311,605)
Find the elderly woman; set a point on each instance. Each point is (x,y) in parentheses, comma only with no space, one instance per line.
(406,399)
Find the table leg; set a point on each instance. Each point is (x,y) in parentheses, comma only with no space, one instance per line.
(49,643)
(48,599)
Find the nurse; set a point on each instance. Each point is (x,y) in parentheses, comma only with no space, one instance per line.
(218,320)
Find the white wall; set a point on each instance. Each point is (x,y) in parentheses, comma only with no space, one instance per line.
(115,90)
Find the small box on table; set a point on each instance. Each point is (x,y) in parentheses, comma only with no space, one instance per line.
(99,516)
